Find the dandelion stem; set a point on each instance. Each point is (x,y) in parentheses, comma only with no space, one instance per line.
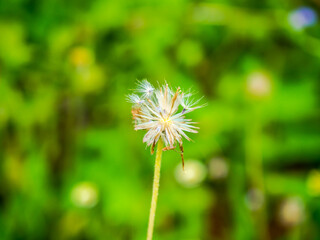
(155,189)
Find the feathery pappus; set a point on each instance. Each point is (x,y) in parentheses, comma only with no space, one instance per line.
(162,113)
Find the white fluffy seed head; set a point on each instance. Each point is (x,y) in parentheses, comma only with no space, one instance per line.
(162,113)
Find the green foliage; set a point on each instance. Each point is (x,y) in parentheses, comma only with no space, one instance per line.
(72,167)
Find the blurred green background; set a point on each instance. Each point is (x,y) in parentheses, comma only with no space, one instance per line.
(72,167)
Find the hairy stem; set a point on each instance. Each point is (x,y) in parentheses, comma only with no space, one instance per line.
(155,189)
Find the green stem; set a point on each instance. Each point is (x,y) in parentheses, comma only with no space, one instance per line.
(155,189)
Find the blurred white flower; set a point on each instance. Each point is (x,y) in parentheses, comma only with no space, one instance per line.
(254,199)
(218,168)
(291,212)
(85,195)
(259,84)
(193,174)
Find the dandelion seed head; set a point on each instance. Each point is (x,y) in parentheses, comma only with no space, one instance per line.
(162,113)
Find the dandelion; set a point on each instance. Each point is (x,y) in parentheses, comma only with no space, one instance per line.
(162,113)
(157,111)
